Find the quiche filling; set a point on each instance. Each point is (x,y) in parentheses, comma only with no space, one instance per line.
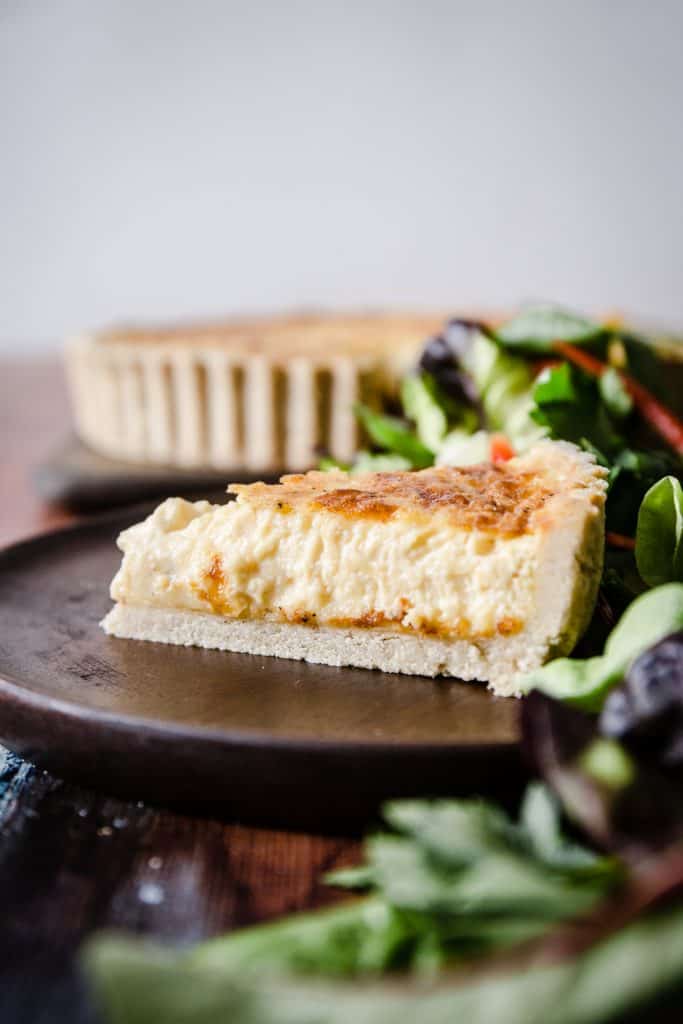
(241,562)
(443,552)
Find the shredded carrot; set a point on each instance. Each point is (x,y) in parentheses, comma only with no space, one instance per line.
(658,415)
(618,540)
(539,365)
(584,360)
(660,418)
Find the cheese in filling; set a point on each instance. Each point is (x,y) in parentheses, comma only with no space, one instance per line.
(312,566)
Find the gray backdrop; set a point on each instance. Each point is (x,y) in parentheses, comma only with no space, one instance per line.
(168,159)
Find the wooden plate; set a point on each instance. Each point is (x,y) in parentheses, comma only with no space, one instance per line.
(258,738)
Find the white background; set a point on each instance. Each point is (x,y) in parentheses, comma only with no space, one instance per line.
(165,159)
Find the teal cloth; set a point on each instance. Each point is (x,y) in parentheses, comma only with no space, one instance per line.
(13,774)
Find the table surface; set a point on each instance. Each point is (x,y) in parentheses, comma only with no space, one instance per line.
(73,861)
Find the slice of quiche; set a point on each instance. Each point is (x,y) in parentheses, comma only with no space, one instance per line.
(481,572)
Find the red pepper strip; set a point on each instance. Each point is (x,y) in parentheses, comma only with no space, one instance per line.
(651,409)
(500,448)
(618,540)
(587,362)
(657,415)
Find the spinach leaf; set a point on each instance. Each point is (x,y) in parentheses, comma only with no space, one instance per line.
(659,535)
(500,879)
(394,435)
(632,474)
(574,407)
(540,821)
(568,404)
(327,941)
(586,682)
(558,384)
(646,365)
(536,329)
(455,878)
(455,832)
(636,968)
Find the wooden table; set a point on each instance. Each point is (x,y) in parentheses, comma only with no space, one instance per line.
(73,861)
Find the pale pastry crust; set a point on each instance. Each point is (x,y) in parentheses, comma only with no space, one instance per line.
(500,661)
(473,573)
(252,394)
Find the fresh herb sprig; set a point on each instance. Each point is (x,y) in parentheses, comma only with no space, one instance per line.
(452,880)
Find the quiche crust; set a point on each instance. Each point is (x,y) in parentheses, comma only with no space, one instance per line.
(258,394)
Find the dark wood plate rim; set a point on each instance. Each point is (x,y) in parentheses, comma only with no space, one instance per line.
(15,693)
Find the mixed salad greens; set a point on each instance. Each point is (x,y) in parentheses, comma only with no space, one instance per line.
(467,914)
(483,392)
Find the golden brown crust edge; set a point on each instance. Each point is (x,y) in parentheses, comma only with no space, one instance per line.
(521,496)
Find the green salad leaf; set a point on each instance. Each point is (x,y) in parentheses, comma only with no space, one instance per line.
(367,462)
(569,406)
(540,820)
(394,435)
(503,381)
(585,683)
(558,384)
(574,407)
(421,404)
(462,449)
(644,363)
(327,462)
(632,474)
(659,535)
(452,880)
(347,939)
(536,328)
(618,401)
(639,967)
(379,462)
